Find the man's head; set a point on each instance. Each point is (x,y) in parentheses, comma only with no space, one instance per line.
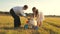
(25,7)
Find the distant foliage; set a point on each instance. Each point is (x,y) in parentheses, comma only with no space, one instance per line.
(28,14)
(4,13)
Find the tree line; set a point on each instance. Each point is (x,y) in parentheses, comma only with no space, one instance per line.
(28,14)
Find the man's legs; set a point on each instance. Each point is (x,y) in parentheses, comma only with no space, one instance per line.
(17,22)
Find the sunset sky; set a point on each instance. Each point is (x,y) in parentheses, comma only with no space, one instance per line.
(48,7)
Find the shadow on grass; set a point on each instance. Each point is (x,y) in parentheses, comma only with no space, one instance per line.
(11,28)
(2,32)
(36,32)
(20,29)
(52,24)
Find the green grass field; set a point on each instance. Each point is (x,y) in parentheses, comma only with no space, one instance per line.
(51,25)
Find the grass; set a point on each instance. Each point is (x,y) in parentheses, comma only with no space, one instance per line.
(6,26)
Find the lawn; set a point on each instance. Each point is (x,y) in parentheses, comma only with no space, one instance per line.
(51,25)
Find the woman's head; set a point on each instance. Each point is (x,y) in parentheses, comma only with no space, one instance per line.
(34,9)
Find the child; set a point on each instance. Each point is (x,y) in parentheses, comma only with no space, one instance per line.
(31,22)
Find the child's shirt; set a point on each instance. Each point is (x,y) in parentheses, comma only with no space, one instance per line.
(33,22)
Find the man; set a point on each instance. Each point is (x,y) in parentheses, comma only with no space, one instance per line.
(15,12)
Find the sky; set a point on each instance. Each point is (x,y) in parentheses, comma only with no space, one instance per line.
(48,7)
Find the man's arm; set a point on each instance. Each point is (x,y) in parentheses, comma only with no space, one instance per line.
(23,14)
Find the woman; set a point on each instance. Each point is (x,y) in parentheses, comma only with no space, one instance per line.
(40,18)
(35,13)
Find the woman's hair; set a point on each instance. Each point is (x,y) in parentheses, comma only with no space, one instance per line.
(37,12)
(33,8)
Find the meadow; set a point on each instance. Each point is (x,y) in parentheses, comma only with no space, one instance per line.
(51,25)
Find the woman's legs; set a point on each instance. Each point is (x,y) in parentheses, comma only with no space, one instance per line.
(39,23)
